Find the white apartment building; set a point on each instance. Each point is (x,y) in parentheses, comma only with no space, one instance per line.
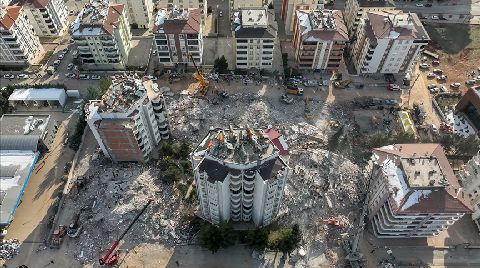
(178,34)
(139,12)
(470,178)
(48,17)
(102,36)
(388,42)
(290,7)
(356,10)
(413,192)
(255,32)
(129,120)
(18,43)
(238,4)
(319,39)
(181,4)
(240,175)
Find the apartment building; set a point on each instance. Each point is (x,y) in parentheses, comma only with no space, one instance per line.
(102,36)
(240,174)
(48,17)
(289,9)
(413,192)
(237,4)
(388,42)
(470,178)
(255,32)
(19,45)
(469,105)
(356,10)
(139,12)
(181,4)
(319,39)
(178,34)
(129,120)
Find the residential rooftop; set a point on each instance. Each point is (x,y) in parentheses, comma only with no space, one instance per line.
(322,24)
(394,24)
(8,16)
(375,3)
(423,172)
(96,18)
(175,20)
(23,124)
(254,23)
(241,145)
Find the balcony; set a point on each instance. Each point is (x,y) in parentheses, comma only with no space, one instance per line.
(108,42)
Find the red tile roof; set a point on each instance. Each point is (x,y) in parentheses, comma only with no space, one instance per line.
(112,18)
(278,140)
(190,26)
(11,15)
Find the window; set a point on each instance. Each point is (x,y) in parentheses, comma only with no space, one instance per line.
(161,36)
(181,36)
(268,46)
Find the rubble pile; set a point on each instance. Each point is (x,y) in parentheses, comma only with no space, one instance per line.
(9,248)
(109,197)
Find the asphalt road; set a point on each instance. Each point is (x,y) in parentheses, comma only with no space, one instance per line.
(223,22)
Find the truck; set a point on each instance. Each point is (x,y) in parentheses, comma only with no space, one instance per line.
(295,91)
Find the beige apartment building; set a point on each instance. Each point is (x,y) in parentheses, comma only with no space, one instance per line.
(102,36)
(139,12)
(19,45)
(319,39)
(289,8)
(48,17)
(388,42)
(413,192)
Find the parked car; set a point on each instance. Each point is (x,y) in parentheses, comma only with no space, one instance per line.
(428,5)
(424,66)
(22,76)
(435,62)
(470,82)
(441,77)
(431,75)
(65,50)
(70,66)
(154,52)
(455,85)
(393,87)
(437,71)
(70,75)
(433,90)
(151,77)
(84,76)
(431,86)
(443,89)
(419,5)
(220,14)
(435,17)
(71,12)
(95,77)
(477,78)
(9,76)
(56,63)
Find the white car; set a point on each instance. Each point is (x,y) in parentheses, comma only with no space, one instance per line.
(435,17)
(424,66)
(70,75)
(22,76)
(56,63)
(151,77)
(84,76)
(477,78)
(95,77)
(220,14)
(455,85)
(9,76)
(71,12)
(431,75)
(70,66)
(419,5)
(61,56)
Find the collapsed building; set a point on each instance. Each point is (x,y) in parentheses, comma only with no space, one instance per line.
(413,192)
(240,174)
(129,120)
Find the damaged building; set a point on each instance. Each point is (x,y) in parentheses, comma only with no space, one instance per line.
(129,120)
(240,174)
(413,192)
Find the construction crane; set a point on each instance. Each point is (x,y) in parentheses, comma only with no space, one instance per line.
(111,257)
(202,84)
(335,222)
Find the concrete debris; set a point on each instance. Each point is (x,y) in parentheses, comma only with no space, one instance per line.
(9,248)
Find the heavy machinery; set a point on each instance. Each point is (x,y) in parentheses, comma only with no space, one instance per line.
(57,237)
(200,87)
(335,222)
(111,257)
(342,84)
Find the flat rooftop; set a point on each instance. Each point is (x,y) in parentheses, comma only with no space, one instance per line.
(254,17)
(94,12)
(23,124)
(96,18)
(239,145)
(423,172)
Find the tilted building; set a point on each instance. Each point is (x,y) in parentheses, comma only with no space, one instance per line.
(289,10)
(240,174)
(356,11)
(102,35)
(129,120)
(255,33)
(19,45)
(388,42)
(413,192)
(319,39)
(470,178)
(48,17)
(139,12)
(178,34)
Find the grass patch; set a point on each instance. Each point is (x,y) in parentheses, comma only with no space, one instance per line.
(453,38)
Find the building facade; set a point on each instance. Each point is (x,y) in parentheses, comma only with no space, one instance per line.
(129,120)
(238,4)
(388,42)
(470,178)
(19,45)
(169,4)
(469,105)
(319,39)
(102,36)
(289,9)
(139,13)
(240,175)
(48,17)
(178,34)
(255,33)
(413,192)
(356,11)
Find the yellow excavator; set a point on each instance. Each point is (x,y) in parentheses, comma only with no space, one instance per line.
(200,87)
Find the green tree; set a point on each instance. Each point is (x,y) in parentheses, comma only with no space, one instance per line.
(284,239)
(216,237)
(221,65)
(183,150)
(270,6)
(92,94)
(257,238)
(105,83)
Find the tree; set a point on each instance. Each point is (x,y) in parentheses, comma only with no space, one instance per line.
(270,6)
(184,150)
(216,237)
(257,238)
(92,94)
(284,239)
(105,83)
(221,65)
